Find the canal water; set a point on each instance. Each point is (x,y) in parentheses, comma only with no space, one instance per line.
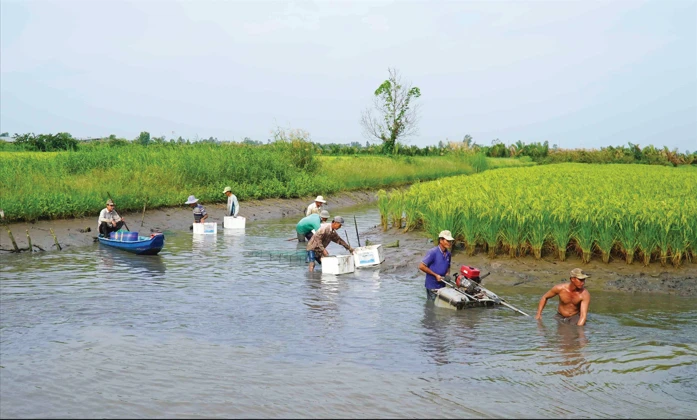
(222,326)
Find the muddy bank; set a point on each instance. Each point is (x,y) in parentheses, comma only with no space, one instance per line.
(539,274)
(83,231)
(402,260)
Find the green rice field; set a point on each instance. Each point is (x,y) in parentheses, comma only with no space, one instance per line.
(596,211)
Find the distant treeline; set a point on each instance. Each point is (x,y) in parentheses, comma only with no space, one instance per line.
(538,152)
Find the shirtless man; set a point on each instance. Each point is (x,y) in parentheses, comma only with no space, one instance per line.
(574,299)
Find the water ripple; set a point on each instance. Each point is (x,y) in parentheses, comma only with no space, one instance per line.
(219,327)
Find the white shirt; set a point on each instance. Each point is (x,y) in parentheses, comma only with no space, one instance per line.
(233,206)
(312,208)
(107,216)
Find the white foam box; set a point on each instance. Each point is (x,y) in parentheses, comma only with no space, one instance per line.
(365,256)
(205,228)
(230,222)
(338,264)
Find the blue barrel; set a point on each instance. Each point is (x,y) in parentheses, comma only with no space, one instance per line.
(124,236)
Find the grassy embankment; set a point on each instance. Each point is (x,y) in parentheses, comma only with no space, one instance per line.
(51,185)
(619,211)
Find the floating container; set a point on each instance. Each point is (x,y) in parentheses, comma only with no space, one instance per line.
(449,297)
(124,236)
(205,228)
(230,222)
(365,256)
(338,264)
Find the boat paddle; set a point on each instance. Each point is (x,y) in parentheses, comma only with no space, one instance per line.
(356,225)
(503,302)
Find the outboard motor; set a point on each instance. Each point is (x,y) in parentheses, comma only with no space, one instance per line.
(468,278)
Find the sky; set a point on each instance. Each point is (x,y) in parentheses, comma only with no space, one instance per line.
(578,74)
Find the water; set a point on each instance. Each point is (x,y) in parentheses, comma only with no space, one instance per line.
(216,328)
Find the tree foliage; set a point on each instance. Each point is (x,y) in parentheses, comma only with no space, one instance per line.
(393,116)
(45,142)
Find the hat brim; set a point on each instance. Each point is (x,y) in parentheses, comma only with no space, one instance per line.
(191,202)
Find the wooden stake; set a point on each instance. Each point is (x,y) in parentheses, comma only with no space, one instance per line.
(56,240)
(12,238)
(31,248)
(143,218)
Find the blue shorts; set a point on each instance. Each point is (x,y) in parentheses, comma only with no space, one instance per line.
(312,257)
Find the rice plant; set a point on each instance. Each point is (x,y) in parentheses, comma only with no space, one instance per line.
(515,209)
(383,208)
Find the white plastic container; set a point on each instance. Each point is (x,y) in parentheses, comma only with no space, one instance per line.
(338,264)
(230,222)
(205,228)
(365,256)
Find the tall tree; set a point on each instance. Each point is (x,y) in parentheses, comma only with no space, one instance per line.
(393,116)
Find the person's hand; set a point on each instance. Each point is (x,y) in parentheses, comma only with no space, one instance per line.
(538,316)
(351,250)
(439,277)
(325,252)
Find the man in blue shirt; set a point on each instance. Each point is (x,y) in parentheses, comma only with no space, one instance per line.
(436,264)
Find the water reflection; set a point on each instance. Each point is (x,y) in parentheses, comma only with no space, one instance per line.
(203,243)
(139,265)
(447,330)
(568,342)
(233,232)
(322,292)
(240,305)
(433,338)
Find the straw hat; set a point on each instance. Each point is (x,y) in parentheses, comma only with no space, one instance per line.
(191,200)
(320,199)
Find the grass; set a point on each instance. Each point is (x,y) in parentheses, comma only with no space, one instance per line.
(40,185)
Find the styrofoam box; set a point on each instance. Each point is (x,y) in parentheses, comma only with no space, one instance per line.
(338,264)
(205,228)
(365,256)
(230,222)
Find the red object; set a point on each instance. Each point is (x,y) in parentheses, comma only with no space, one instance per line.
(469,272)
(457,281)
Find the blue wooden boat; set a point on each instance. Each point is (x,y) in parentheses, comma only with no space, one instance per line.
(145,245)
